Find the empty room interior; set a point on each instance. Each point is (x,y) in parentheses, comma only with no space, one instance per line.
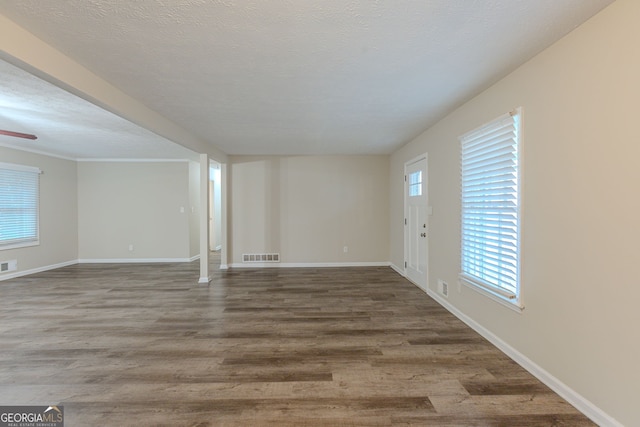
(365,213)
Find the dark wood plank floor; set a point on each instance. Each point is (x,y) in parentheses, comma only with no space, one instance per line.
(143,345)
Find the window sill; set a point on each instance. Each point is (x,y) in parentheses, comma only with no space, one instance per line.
(19,245)
(504,298)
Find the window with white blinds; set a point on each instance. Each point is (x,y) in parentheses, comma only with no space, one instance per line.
(19,200)
(490,247)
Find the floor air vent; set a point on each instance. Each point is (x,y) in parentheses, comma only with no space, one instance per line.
(6,266)
(260,257)
(443,287)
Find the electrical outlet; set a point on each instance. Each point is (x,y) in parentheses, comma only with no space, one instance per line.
(345,249)
(131,248)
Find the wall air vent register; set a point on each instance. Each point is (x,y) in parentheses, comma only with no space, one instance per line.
(260,257)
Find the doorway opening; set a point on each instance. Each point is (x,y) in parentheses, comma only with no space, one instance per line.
(216,238)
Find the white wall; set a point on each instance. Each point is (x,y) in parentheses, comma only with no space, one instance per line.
(58,214)
(134,203)
(581,205)
(309,208)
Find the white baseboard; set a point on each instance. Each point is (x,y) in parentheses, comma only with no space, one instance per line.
(134,260)
(596,414)
(306,264)
(15,274)
(397,269)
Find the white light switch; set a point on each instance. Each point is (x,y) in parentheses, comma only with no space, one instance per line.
(181,209)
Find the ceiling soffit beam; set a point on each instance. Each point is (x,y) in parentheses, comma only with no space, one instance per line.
(22,49)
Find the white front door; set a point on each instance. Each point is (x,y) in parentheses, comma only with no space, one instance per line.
(416,224)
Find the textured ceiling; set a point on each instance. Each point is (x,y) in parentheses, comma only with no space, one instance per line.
(301,77)
(70,127)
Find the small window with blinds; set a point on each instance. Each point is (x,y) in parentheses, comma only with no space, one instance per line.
(490,235)
(19,203)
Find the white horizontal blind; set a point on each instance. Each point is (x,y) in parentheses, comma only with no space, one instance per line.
(490,207)
(19,200)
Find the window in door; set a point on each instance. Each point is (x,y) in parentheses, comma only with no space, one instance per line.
(415,184)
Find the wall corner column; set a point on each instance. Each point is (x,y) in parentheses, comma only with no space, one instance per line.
(224,254)
(205,278)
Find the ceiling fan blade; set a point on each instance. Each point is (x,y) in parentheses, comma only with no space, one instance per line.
(17,134)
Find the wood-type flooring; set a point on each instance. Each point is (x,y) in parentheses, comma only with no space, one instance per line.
(145,345)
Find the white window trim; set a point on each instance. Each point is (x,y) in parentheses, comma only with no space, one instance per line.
(511,300)
(493,293)
(36,240)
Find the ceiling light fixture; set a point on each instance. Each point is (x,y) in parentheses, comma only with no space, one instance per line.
(17,134)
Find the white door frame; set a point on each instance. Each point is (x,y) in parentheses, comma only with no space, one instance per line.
(425,157)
